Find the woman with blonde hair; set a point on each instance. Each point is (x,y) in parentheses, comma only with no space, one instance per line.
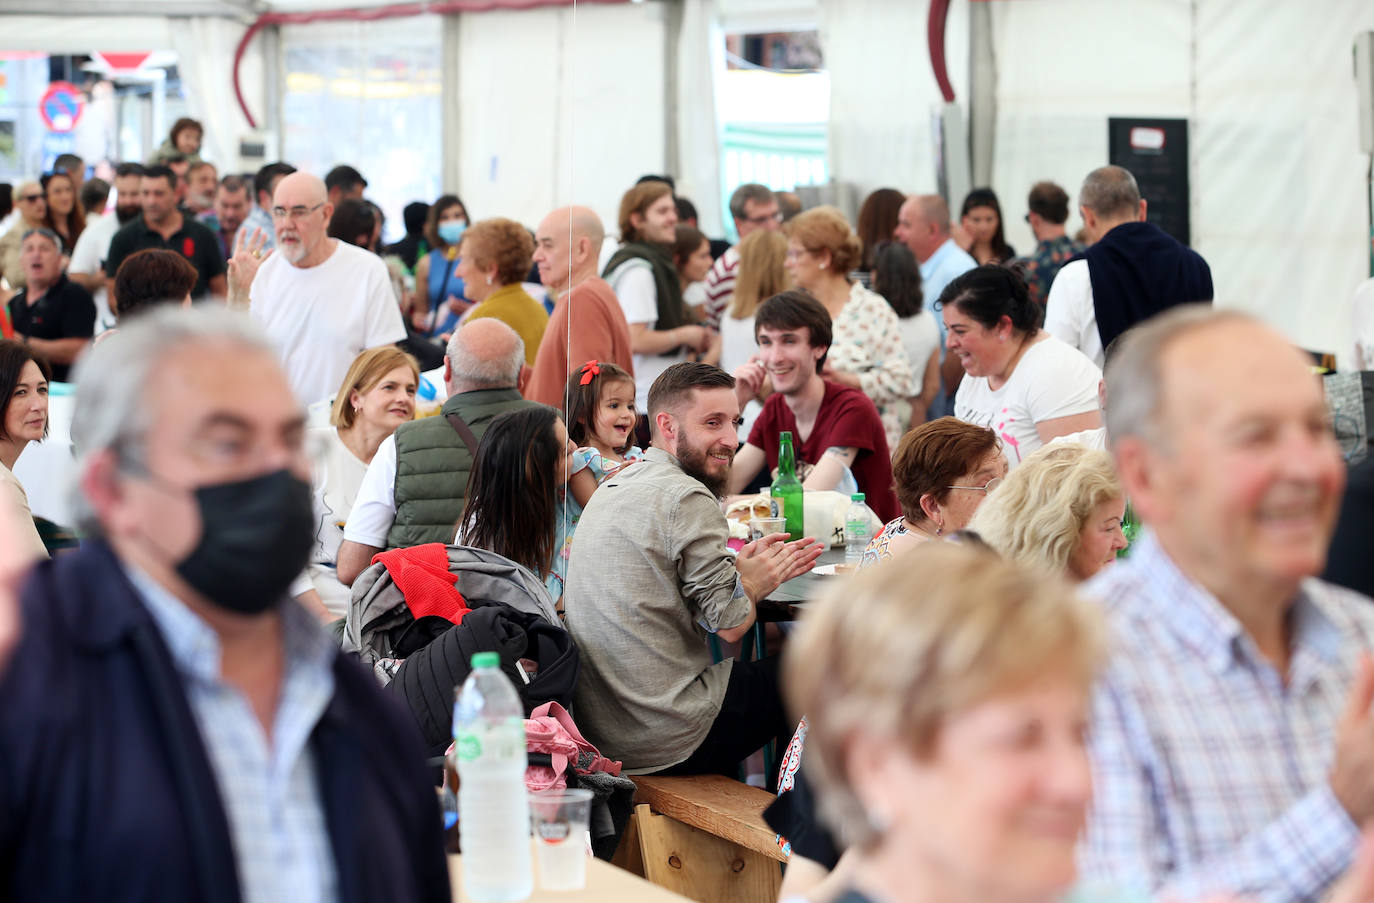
(377,395)
(945,727)
(495,257)
(867,351)
(1061,511)
(761,275)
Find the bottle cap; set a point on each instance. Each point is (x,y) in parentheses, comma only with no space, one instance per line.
(486,660)
(856,497)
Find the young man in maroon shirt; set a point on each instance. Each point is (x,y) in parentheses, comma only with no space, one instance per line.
(833,426)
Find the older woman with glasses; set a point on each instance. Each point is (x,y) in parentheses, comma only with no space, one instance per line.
(31,201)
(943,471)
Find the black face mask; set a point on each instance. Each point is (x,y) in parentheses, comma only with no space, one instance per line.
(255,538)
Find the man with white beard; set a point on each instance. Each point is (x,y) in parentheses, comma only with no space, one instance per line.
(321,300)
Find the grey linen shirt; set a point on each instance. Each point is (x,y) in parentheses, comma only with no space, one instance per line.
(649,577)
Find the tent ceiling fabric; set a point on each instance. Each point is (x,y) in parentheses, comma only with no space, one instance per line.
(122,8)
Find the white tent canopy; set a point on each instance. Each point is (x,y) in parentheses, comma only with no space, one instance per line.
(546,106)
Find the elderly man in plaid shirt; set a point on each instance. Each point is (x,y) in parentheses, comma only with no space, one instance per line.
(1232,743)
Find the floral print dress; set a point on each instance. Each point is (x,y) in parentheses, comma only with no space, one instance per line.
(867,342)
(570,512)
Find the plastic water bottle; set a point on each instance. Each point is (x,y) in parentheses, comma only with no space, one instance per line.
(858,529)
(493,808)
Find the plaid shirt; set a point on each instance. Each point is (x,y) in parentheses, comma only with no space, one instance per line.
(1210,772)
(269,787)
(1044,264)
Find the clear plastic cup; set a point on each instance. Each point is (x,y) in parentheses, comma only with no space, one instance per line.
(760,527)
(560,819)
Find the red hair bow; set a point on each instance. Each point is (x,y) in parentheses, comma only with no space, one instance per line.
(590,369)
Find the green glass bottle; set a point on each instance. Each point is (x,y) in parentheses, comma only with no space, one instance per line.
(1130,528)
(787,489)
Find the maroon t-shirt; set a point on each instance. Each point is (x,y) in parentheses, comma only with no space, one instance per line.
(847,419)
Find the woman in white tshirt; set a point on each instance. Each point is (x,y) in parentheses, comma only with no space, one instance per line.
(1026,385)
(377,395)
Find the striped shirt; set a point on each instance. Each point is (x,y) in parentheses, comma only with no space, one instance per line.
(1210,770)
(269,787)
(720,286)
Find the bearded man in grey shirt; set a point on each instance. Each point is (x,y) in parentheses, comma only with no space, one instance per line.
(650,577)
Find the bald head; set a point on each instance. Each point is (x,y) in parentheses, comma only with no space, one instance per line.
(484,354)
(923,224)
(300,188)
(567,247)
(302,228)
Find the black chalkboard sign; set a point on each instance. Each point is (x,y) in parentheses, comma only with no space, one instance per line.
(1155,151)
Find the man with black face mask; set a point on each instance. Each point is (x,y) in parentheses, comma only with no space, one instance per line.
(175,727)
(87,266)
(648,693)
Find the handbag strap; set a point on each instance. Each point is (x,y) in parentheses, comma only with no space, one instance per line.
(460,426)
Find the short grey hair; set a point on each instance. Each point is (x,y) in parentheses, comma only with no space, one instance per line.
(113,380)
(749,191)
(490,361)
(1110,191)
(1135,377)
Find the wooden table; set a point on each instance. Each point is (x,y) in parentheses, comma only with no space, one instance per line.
(605,884)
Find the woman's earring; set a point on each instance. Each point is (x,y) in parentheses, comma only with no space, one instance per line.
(488,280)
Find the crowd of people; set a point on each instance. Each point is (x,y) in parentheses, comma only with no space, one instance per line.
(272,409)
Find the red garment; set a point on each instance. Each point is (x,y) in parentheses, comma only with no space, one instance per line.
(599,333)
(421,574)
(847,419)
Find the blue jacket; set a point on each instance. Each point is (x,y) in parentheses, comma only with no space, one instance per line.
(106,791)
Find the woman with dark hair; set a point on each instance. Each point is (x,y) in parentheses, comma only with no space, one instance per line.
(354,222)
(24,386)
(183,141)
(512,503)
(65,216)
(897,277)
(875,225)
(1024,383)
(150,277)
(981,221)
(692,258)
(439,296)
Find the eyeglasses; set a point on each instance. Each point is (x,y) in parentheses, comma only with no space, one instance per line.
(986,487)
(295,213)
(30,198)
(765,219)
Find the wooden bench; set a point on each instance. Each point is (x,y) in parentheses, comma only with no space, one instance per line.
(703,837)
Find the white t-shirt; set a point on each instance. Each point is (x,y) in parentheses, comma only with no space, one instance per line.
(737,345)
(92,247)
(1069,312)
(1363,326)
(1095,439)
(322,317)
(337,475)
(633,284)
(374,505)
(920,338)
(1051,380)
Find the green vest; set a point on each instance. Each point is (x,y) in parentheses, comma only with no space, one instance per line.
(433,465)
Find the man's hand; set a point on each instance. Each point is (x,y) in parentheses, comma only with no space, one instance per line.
(769,562)
(1357,886)
(1352,776)
(749,379)
(243,266)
